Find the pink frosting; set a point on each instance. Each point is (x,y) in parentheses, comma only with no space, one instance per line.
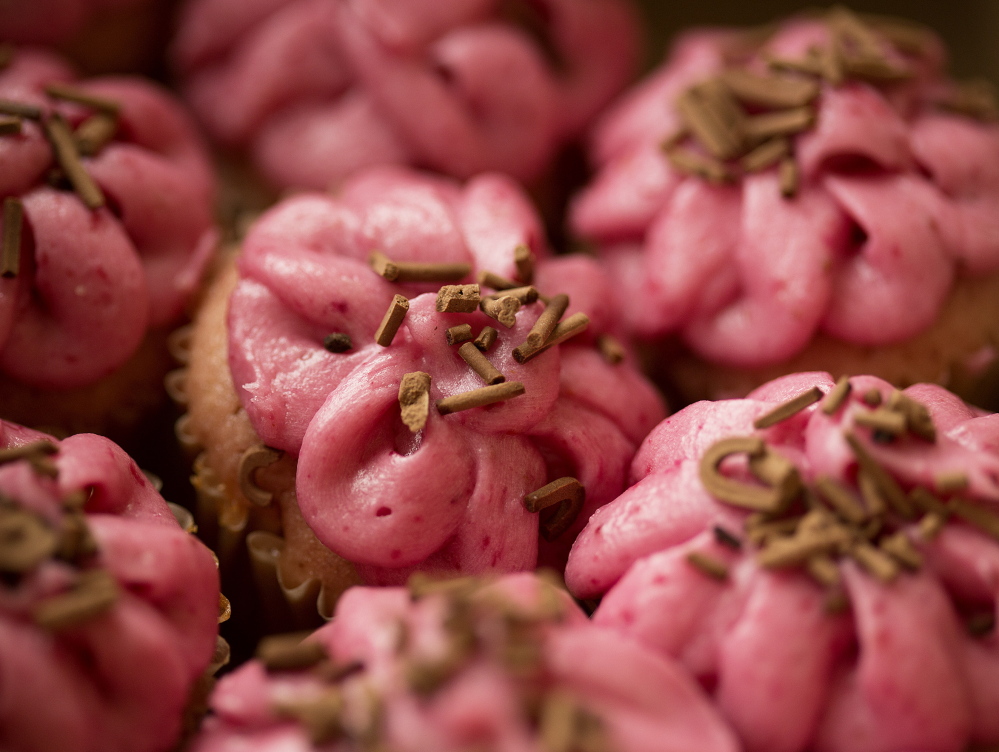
(897,672)
(119,681)
(644,701)
(896,197)
(51,21)
(317,89)
(93,282)
(449,497)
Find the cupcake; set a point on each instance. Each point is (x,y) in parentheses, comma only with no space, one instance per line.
(823,556)
(108,608)
(106,227)
(365,409)
(313,90)
(819,200)
(461,665)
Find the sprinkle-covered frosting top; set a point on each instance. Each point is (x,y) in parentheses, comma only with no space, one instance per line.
(108,609)
(830,178)
(106,224)
(423,412)
(836,543)
(320,90)
(460,665)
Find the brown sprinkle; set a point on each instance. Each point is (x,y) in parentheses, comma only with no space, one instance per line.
(841,499)
(10,126)
(10,256)
(917,416)
(76,542)
(931,525)
(412,271)
(575,324)
(288,652)
(837,395)
(486,338)
(253,459)
(872,397)
(525,295)
(28,451)
(791,552)
(523,259)
(422,585)
(710,566)
(460,333)
(871,494)
(883,419)
(58,133)
(503,309)
(393,320)
(899,546)
(766,155)
(458,299)
(414,400)
(927,502)
(20,109)
(713,117)
(745,495)
(95,593)
(887,486)
(780,123)
(980,517)
(77,95)
(495,281)
(760,532)
(788,409)
(951,481)
(789,178)
(611,350)
(481,397)
(810,64)
(690,162)
(25,541)
(547,321)
(727,539)
(337,342)
(480,364)
(770,91)
(320,715)
(824,570)
(556,492)
(875,561)
(94,133)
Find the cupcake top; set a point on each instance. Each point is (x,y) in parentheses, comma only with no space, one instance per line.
(107,219)
(824,557)
(317,90)
(108,609)
(461,665)
(415,448)
(753,194)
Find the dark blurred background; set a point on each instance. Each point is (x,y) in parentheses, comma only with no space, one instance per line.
(970,28)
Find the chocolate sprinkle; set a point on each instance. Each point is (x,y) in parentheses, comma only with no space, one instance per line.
(57,130)
(414,400)
(393,320)
(788,409)
(337,342)
(289,652)
(457,299)
(10,126)
(713,568)
(486,338)
(486,395)
(460,333)
(77,95)
(480,364)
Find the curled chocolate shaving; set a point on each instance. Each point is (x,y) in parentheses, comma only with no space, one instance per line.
(745,495)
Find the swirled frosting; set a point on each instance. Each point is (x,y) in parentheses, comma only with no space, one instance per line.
(117,678)
(93,281)
(631,698)
(450,496)
(895,200)
(904,667)
(317,89)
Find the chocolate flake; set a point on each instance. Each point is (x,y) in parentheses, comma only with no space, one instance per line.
(57,130)
(480,364)
(917,416)
(927,502)
(568,493)
(409,271)
(10,126)
(337,342)
(457,334)
(253,459)
(457,299)
(289,652)
(714,117)
(10,256)
(775,92)
(95,593)
(710,566)
(393,319)
(788,409)
(32,450)
(503,309)
(951,481)
(547,321)
(779,123)
(481,397)
(486,338)
(611,350)
(699,165)
(837,395)
(76,542)
(414,400)
(575,324)
(766,155)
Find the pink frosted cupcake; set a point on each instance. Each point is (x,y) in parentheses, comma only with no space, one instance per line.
(822,200)
(375,427)
(315,90)
(823,557)
(108,609)
(106,227)
(512,665)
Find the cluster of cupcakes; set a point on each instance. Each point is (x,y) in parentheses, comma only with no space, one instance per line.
(411,417)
